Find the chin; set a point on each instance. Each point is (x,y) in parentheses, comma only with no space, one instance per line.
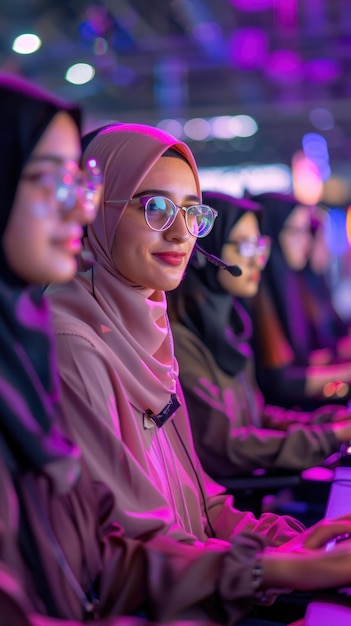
(64,272)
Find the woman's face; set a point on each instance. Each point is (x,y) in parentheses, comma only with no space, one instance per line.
(246,285)
(40,240)
(148,258)
(296,237)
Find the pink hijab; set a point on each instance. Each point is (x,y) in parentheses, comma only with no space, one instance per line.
(141,338)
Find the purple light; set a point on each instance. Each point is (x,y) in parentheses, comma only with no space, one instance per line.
(251,6)
(286,13)
(321,118)
(123,76)
(284,66)
(207,32)
(315,147)
(248,47)
(335,232)
(322,70)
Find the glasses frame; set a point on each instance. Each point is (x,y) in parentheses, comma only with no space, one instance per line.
(144,200)
(265,246)
(81,187)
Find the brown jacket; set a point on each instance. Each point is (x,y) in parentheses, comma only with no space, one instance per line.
(126,576)
(234,432)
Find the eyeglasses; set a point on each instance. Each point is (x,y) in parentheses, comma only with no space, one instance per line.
(69,184)
(249,248)
(160,213)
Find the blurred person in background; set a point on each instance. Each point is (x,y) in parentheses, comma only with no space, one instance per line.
(329,333)
(282,341)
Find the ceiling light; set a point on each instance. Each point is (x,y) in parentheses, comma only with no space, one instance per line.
(80,73)
(171,126)
(197,128)
(26,43)
(243,126)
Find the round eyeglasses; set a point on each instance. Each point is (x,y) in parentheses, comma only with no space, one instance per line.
(160,213)
(249,248)
(69,184)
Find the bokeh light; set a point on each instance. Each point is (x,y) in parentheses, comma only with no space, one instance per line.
(26,43)
(80,73)
(307,181)
(322,118)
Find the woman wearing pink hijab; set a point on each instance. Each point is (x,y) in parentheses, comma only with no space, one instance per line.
(120,387)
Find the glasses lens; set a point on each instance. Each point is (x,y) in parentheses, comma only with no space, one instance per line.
(72,184)
(92,186)
(250,248)
(65,180)
(159,212)
(247,248)
(200,219)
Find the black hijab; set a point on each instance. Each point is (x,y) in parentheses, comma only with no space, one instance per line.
(28,376)
(279,280)
(202,305)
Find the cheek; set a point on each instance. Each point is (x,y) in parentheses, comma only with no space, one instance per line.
(130,252)
(24,249)
(228,282)
(243,287)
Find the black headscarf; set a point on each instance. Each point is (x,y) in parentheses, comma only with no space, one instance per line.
(279,280)
(202,305)
(28,376)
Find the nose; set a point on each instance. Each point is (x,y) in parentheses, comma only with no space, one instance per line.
(178,230)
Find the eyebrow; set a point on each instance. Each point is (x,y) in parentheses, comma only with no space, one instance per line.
(163,192)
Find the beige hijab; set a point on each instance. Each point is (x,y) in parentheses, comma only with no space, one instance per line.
(137,316)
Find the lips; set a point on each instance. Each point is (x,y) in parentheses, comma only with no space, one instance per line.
(256,277)
(171,258)
(70,240)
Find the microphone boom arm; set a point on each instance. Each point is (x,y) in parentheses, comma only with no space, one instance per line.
(234,270)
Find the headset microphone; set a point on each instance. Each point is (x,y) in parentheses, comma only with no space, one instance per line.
(234,270)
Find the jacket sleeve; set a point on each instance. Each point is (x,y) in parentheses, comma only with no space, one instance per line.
(228,450)
(278,418)
(157,577)
(224,521)
(228,420)
(179,581)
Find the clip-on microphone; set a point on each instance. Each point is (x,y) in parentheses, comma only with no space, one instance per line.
(234,270)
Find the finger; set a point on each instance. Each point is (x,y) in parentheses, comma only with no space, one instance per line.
(323,533)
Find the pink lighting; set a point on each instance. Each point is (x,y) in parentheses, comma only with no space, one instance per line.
(286,13)
(284,66)
(307,181)
(251,6)
(248,47)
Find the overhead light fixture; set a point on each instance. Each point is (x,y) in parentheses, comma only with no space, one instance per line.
(197,128)
(80,73)
(27,43)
